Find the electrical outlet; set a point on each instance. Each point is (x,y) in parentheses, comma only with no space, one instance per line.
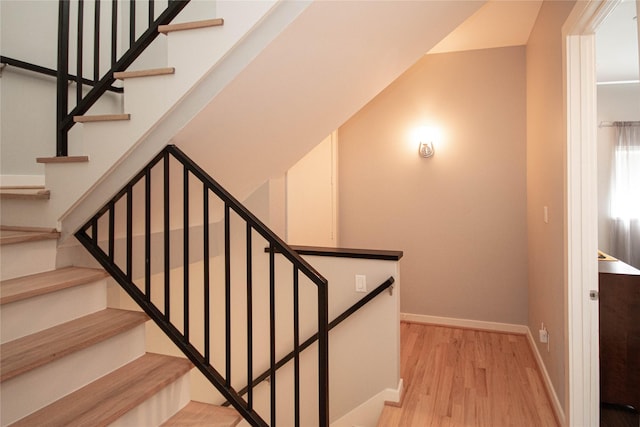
(361,283)
(544,336)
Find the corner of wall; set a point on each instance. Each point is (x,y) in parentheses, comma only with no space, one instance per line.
(551,392)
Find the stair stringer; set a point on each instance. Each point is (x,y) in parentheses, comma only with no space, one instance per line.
(296,76)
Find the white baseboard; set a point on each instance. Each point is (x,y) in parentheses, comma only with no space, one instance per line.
(16,180)
(394,396)
(368,413)
(551,392)
(497,327)
(464,323)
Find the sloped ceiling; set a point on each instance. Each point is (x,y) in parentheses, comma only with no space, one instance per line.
(499,23)
(316,74)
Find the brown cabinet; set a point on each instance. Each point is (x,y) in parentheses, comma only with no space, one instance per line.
(619,333)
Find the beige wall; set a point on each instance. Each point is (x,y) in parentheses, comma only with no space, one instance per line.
(460,216)
(545,185)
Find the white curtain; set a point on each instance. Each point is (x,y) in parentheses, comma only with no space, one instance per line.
(625,193)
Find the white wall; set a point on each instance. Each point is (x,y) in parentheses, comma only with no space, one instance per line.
(364,349)
(615,103)
(28,32)
(312,197)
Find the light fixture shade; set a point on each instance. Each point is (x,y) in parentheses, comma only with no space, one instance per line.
(426,149)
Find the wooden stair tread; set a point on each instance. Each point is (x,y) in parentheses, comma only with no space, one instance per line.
(121,75)
(105,400)
(20,288)
(216,22)
(22,187)
(10,235)
(63,159)
(25,193)
(101,118)
(27,353)
(201,414)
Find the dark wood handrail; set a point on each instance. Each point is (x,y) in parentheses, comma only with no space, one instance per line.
(384,255)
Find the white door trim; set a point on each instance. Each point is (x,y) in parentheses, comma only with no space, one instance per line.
(582,404)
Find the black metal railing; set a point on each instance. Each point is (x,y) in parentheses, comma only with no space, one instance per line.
(12,62)
(191,256)
(121,25)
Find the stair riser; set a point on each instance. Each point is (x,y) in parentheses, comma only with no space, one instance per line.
(26,213)
(159,407)
(33,390)
(137,103)
(18,319)
(22,259)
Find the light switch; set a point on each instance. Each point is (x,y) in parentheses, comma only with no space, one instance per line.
(361,283)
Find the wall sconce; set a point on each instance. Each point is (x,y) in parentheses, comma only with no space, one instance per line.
(426,149)
(426,136)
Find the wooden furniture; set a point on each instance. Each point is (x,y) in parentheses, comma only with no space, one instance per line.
(619,333)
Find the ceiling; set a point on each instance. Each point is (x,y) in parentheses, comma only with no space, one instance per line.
(501,23)
(498,23)
(617,45)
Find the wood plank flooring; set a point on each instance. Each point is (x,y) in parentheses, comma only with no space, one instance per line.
(463,377)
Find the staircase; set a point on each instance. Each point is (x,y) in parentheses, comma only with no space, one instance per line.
(246,95)
(65,363)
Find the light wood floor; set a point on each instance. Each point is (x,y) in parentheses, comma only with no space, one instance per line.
(462,377)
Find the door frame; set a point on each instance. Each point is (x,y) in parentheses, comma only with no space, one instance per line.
(582,402)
